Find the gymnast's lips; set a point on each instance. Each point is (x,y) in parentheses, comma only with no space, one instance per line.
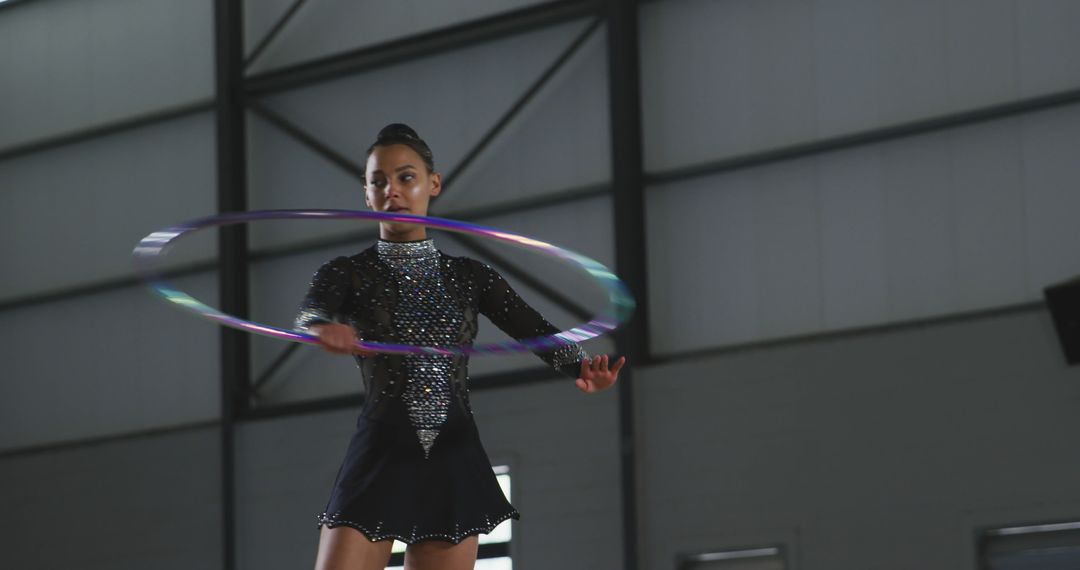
(397,209)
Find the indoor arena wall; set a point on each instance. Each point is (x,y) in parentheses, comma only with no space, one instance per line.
(851,210)
(68,64)
(889,449)
(150,501)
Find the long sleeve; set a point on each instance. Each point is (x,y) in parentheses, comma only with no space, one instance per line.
(508,311)
(325,295)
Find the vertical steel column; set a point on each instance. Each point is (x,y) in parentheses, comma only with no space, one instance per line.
(628,195)
(232,248)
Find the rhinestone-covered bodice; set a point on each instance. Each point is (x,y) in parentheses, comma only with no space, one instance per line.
(426,315)
(412,293)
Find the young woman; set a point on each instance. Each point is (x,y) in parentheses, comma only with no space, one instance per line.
(415,469)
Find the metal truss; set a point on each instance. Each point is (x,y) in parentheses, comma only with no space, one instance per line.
(237,93)
(356,171)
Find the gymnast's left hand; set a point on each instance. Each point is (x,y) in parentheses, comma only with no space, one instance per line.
(595,374)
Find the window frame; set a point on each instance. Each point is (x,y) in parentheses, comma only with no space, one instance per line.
(686,560)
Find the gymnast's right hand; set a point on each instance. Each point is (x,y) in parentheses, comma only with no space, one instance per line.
(338,339)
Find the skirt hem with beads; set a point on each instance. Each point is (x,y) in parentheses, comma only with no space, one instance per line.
(375,532)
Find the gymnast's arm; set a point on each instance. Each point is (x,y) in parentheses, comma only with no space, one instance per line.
(324,299)
(508,311)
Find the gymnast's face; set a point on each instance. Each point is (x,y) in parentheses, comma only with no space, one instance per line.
(398,181)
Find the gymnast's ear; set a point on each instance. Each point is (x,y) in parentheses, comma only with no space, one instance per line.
(436,183)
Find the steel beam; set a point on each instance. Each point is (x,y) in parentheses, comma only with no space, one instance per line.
(83,443)
(521,102)
(119,126)
(698,354)
(274,31)
(420,45)
(869,136)
(309,140)
(534,375)
(628,182)
(564,197)
(102,286)
(232,252)
(357,172)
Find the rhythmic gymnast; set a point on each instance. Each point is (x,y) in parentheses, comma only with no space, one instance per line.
(415,469)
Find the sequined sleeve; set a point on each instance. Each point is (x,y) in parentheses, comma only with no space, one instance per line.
(508,311)
(325,295)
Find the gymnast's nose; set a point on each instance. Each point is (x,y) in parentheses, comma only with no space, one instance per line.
(393,189)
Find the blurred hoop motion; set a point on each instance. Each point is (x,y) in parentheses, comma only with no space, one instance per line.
(149,252)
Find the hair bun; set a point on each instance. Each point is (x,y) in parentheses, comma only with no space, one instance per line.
(397,130)
(400,133)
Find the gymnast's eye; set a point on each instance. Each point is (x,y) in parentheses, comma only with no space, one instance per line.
(407,177)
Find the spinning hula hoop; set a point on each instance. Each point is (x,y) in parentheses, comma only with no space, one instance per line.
(152,248)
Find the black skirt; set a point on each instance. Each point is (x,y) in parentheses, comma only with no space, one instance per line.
(386,489)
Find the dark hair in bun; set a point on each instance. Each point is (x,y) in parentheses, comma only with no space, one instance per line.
(400,133)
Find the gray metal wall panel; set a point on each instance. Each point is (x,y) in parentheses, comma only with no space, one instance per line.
(560,141)
(277,287)
(284,471)
(145,502)
(452,110)
(958,220)
(110,363)
(584,227)
(1046,38)
(72,64)
(564,448)
(73,214)
(327,27)
(886,450)
(989,190)
(259,17)
(284,174)
(1051,175)
(738,76)
(561,445)
(709,89)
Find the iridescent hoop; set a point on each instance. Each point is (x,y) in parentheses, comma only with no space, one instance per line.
(621,304)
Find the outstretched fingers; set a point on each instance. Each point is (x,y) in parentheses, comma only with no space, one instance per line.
(596,375)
